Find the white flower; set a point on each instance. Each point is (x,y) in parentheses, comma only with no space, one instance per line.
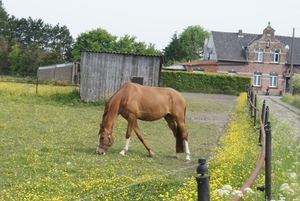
(221,192)
(249,190)
(293,175)
(227,187)
(238,193)
(68,163)
(286,189)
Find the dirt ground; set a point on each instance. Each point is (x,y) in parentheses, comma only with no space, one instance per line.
(220,119)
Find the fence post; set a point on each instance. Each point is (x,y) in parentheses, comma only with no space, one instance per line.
(203,181)
(255,105)
(268,167)
(263,111)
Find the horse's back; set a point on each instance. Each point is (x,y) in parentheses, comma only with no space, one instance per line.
(150,103)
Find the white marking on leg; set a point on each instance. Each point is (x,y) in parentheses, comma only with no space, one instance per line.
(187,151)
(125,147)
(176,155)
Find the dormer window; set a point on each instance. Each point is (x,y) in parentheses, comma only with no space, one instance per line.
(275,56)
(259,55)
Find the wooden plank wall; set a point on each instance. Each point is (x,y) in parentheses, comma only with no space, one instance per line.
(102,74)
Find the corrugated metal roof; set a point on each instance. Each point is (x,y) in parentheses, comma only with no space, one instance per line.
(175,67)
(123,53)
(56,66)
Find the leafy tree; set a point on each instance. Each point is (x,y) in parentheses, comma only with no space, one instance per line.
(16,58)
(96,40)
(172,53)
(4,25)
(187,46)
(296,82)
(101,41)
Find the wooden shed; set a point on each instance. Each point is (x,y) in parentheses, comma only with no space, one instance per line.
(102,73)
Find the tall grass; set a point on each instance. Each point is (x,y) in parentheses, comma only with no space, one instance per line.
(291,99)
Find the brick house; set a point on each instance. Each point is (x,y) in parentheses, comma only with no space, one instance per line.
(264,57)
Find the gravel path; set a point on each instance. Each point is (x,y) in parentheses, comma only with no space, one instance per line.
(276,107)
(283,110)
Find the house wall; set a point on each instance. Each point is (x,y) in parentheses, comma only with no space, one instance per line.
(264,68)
(102,74)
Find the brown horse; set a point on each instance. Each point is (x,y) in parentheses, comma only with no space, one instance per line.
(134,101)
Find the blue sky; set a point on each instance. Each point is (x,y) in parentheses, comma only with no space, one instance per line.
(155,21)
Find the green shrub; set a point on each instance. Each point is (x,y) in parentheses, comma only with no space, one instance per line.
(204,82)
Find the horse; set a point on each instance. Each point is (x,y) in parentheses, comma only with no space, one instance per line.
(134,101)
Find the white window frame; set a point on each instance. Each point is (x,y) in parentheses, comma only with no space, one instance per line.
(259,55)
(198,70)
(257,80)
(232,72)
(273,80)
(275,56)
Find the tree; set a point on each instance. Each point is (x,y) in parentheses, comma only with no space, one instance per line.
(172,53)
(100,40)
(16,58)
(187,46)
(296,82)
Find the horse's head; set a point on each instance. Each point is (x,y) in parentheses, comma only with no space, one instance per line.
(105,140)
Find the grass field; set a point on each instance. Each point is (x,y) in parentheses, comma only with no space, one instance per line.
(48,141)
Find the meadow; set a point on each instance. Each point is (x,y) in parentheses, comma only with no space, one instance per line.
(48,142)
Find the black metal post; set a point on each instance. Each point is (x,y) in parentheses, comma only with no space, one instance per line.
(263,111)
(36,84)
(203,181)
(268,167)
(255,105)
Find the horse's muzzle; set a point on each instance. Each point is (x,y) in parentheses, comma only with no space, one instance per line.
(100,152)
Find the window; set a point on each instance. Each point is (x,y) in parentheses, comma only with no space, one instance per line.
(198,70)
(273,80)
(232,72)
(275,56)
(257,79)
(259,55)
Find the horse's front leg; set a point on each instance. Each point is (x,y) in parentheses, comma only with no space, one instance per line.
(125,147)
(138,133)
(130,125)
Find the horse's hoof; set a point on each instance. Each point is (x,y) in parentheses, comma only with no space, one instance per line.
(187,160)
(176,157)
(152,155)
(122,153)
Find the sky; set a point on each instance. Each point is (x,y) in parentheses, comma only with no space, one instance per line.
(156,21)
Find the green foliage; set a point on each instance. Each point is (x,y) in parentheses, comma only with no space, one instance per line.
(296,82)
(291,99)
(101,41)
(38,43)
(16,58)
(187,46)
(204,83)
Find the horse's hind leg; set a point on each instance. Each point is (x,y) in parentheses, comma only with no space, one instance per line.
(181,126)
(138,133)
(172,125)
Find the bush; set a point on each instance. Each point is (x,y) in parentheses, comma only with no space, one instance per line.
(204,82)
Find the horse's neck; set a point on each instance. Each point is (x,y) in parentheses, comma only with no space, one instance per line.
(111,115)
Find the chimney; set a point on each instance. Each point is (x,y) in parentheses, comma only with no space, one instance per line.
(240,35)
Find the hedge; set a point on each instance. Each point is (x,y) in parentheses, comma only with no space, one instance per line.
(207,83)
